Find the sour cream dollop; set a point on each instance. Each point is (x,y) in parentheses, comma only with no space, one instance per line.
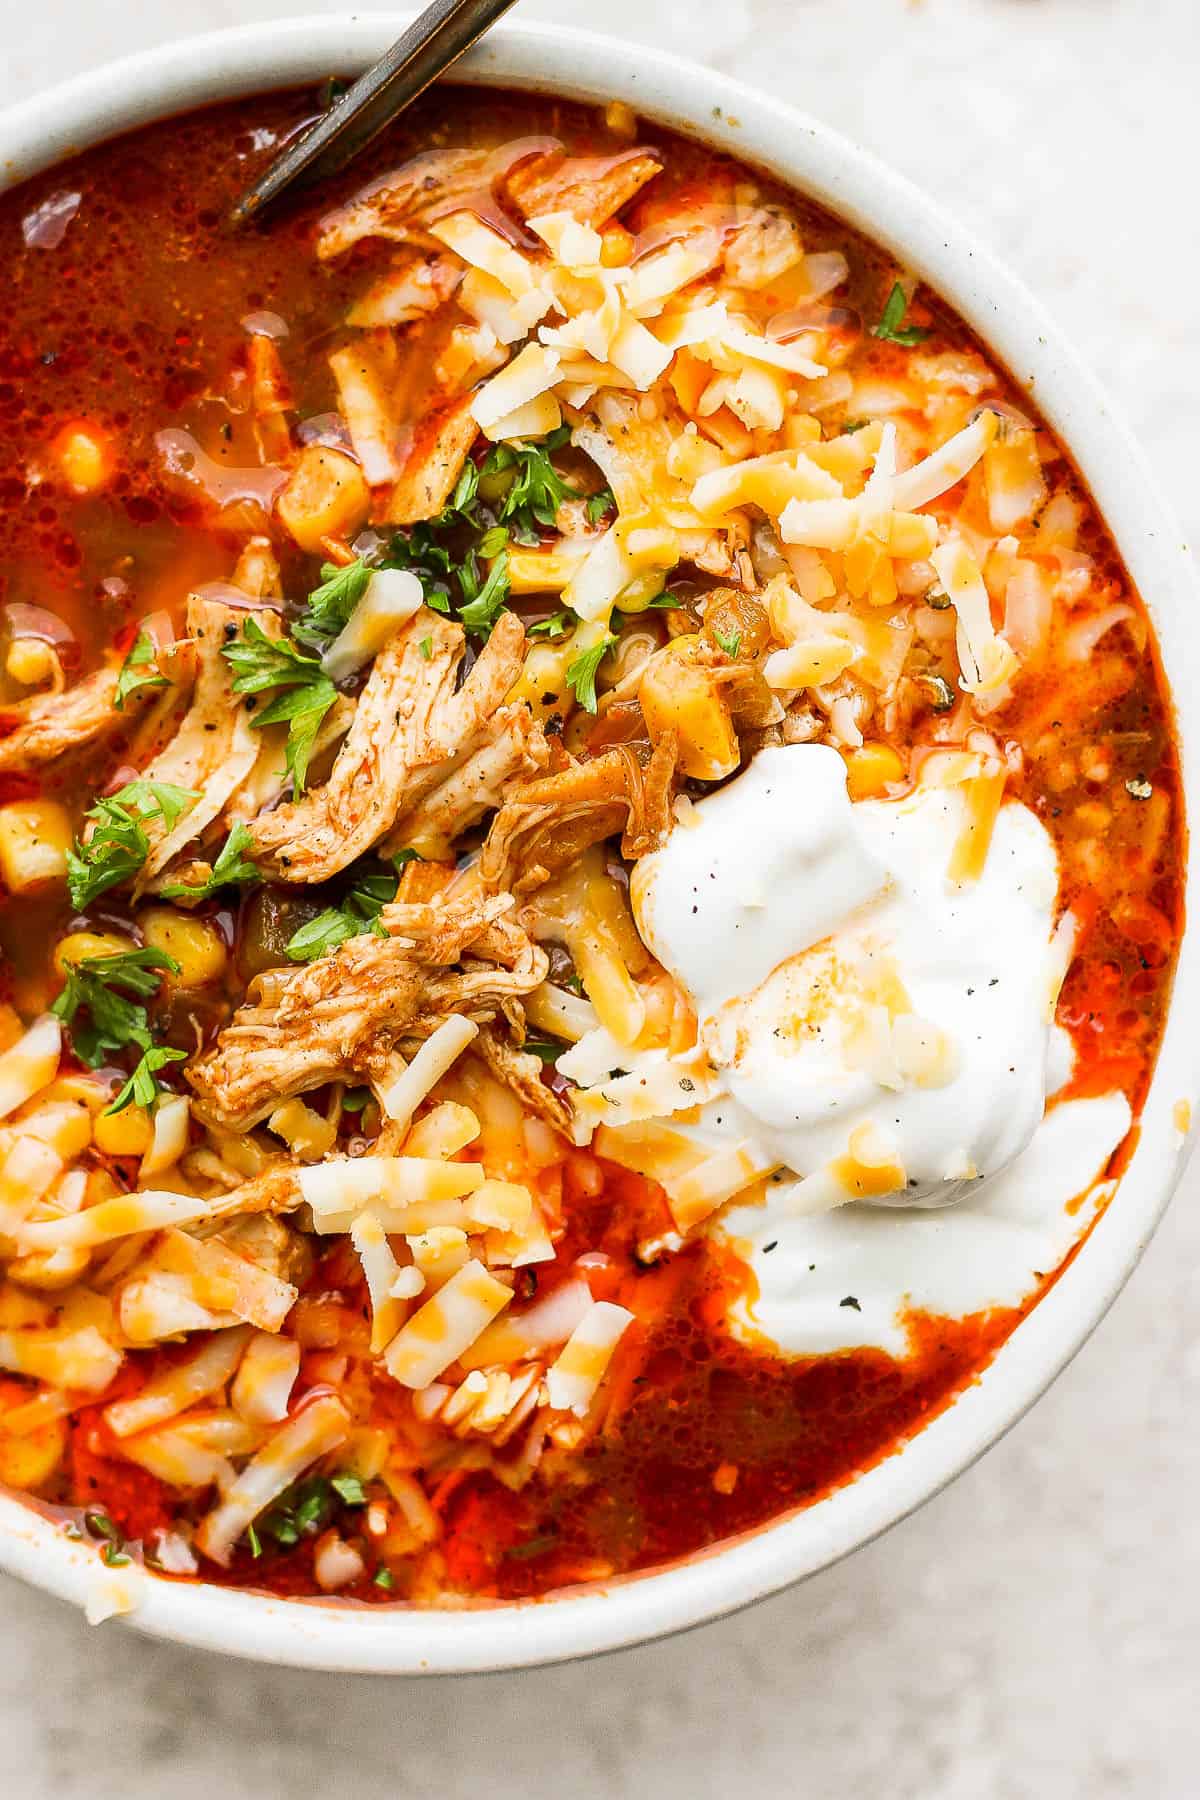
(877,1028)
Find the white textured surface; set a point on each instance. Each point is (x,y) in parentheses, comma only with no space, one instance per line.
(1036,1630)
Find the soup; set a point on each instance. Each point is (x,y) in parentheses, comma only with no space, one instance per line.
(591,852)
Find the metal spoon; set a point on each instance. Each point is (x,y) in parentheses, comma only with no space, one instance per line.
(434,40)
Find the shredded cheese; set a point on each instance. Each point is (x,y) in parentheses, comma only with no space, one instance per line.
(445,1326)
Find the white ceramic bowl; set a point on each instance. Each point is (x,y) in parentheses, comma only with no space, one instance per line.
(799,150)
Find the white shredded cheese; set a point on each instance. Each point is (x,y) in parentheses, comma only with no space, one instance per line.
(401,1097)
(310,1434)
(29,1064)
(572,1380)
(445,1326)
(390,598)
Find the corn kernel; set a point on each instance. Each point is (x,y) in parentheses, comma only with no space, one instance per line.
(31,662)
(85,457)
(78,945)
(326,496)
(28,1461)
(195,944)
(870,769)
(127,1133)
(35,836)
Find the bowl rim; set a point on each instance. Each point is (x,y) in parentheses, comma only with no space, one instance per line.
(817,160)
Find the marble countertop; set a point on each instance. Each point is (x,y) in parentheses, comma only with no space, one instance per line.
(1036,1629)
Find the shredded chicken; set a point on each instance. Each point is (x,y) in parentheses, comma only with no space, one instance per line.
(546,824)
(433,184)
(433,464)
(410,731)
(590,188)
(522,1073)
(48,726)
(417,285)
(215,748)
(343,1016)
(517,747)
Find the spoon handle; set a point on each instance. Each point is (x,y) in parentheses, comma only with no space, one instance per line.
(435,40)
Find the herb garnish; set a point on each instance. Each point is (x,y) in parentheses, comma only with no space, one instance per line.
(303,692)
(513,496)
(329,606)
(729,641)
(357,913)
(98,986)
(308,1506)
(581,674)
(890,326)
(599,504)
(142,1086)
(534,1546)
(119,844)
(553,627)
(139,670)
(544,1050)
(232,868)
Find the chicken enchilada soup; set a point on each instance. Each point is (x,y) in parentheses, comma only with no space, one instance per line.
(590,847)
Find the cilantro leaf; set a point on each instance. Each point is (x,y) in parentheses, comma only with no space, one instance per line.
(552,627)
(581,674)
(728,641)
(97,986)
(303,709)
(119,843)
(537,489)
(329,606)
(305,693)
(357,913)
(349,1490)
(132,680)
(599,504)
(890,326)
(484,607)
(232,868)
(260,662)
(142,1088)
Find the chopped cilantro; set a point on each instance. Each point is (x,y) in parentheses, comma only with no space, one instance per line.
(139,670)
(493,542)
(356,914)
(232,868)
(581,674)
(303,692)
(728,641)
(534,1546)
(537,489)
(485,605)
(98,986)
(329,606)
(552,627)
(142,1087)
(384,1578)
(349,1490)
(890,326)
(599,504)
(119,844)
(543,1049)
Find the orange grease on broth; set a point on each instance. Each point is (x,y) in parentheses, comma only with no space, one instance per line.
(133,324)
